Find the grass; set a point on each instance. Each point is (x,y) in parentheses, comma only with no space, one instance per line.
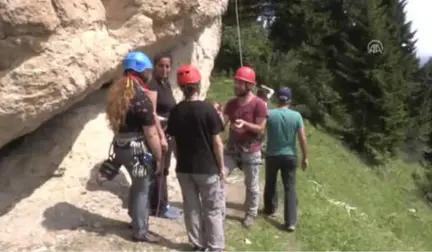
(388,214)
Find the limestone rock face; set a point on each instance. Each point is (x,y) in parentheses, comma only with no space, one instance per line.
(55,52)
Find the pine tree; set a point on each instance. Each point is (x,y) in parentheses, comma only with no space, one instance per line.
(288,30)
(418,104)
(306,26)
(372,86)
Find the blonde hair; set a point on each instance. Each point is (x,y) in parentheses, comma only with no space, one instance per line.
(118,102)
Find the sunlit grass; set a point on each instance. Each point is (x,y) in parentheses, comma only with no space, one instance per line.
(385,214)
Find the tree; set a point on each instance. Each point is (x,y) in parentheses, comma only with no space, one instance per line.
(373,87)
(255,47)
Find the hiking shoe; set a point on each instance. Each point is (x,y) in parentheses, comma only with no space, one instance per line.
(290,228)
(248,221)
(198,248)
(171,213)
(150,238)
(269,214)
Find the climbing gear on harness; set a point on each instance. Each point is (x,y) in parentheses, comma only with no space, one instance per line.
(188,75)
(137,61)
(245,74)
(109,169)
(142,159)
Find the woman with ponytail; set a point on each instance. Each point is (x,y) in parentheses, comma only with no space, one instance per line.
(136,145)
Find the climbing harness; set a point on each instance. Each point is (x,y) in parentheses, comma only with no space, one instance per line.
(238,32)
(141,158)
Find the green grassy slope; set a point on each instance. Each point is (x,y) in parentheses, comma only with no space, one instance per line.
(387,214)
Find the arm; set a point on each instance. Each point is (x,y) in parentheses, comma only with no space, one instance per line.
(270,91)
(160,131)
(256,128)
(225,114)
(218,148)
(303,141)
(174,147)
(152,137)
(301,135)
(144,110)
(225,120)
(215,125)
(260,114)
(172,130)
(153,97)
(222,118)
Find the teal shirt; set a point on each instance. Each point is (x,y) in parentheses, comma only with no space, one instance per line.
(282,126)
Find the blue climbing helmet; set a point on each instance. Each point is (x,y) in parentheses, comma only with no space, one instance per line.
(137,61)
(284,94)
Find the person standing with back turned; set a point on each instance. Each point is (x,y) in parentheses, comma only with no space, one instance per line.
(247,115)
(136,143)
(284,125)
(165,102)
(196,126)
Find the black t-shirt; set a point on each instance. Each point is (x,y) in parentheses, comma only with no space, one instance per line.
(165,97)
(140,113)
(193,125)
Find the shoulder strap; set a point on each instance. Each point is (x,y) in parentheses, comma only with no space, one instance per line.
(141,85)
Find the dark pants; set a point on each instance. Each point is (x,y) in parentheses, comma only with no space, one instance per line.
(159,190)
(287,165)
(138,205)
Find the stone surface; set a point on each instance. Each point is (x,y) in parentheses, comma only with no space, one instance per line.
(55,52)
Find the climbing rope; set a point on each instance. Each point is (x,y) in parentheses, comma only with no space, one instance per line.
(238,32)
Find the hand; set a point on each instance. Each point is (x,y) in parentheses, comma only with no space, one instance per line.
(239,123)
(222,176)
(304,163)
(158,167)
(164,145)
(100,178)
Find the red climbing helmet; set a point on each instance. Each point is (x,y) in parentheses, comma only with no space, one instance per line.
(245,74)
(188,75)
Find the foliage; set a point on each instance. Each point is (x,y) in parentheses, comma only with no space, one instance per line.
(339,199)
(379,104)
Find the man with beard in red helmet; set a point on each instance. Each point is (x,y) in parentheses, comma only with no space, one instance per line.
(247,115)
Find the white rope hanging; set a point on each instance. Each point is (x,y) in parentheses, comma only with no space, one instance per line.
(238,33)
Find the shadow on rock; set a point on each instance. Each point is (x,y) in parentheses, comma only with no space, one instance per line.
(27,164)
(65,216)
(119,186)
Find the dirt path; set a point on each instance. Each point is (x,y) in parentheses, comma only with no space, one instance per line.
(49,201)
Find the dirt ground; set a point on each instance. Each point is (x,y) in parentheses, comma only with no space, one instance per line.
(50,201)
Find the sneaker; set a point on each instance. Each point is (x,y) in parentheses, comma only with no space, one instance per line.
(150,238)
(248,221)
(198,248)
(290,228)
(269,214)
(171,213)
(168,213)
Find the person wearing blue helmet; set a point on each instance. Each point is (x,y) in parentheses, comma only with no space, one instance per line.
(136,145)
(284,125)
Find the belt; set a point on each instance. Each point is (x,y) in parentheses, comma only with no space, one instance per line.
(125,139)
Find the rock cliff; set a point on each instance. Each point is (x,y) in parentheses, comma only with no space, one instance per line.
(55,52)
